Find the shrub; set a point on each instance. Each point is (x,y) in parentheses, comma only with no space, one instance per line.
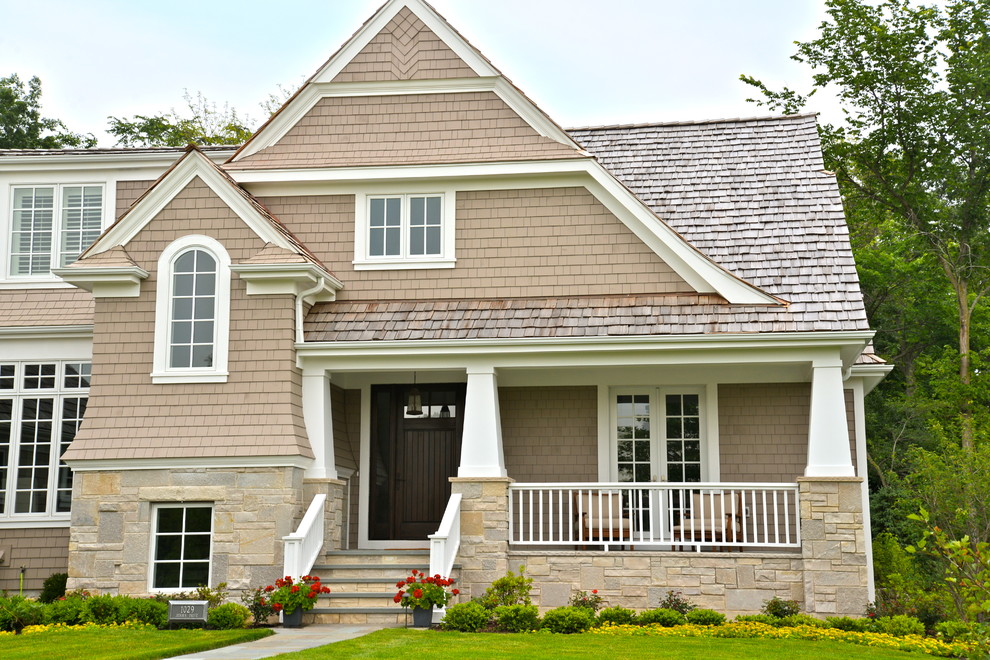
(674,600)
(147,610)
(705,617)
(509,590)
(616,616)
(661,616)
(107,609)
(213,596)
(799,620)
(589,601)
(260,607)
(759,618)
(517,618)
(228,616)
(900,625)
(780,608)
(568,620)
(848,623)
(53,587)
(950,631)
(18,611)
(68,610)
(466,617)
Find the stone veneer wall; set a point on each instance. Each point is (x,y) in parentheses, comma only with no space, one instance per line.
(827,575)
(253,508)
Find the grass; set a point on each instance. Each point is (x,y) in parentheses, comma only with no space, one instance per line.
(403,643)
(119,643)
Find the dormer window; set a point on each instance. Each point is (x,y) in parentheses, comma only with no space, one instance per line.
(193,312)
(414,230)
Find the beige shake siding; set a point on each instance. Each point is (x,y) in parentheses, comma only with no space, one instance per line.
(127,193)
(550,433)
(541,242)
(256,413)
(407,129)
(405,49)
(763,431)
(40,551)
(20,308)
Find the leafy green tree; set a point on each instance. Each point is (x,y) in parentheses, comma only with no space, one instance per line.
(914,82)
(205,124)
(21,123)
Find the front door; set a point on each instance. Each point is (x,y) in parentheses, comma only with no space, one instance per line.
(412,458)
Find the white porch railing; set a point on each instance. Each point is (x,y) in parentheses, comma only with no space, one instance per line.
(303,546)
(660,515)
(447,541)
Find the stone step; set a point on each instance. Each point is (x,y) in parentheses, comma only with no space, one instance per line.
(392,616)
(404,558)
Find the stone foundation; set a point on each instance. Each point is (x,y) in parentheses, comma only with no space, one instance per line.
(827,576)
(110,541)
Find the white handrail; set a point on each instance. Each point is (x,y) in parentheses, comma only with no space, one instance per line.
(304,545)
(661,515)
(447,540)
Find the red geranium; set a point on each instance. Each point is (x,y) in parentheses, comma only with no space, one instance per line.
(286,595)
(423,591)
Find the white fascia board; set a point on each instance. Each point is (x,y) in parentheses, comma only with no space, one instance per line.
(315,91)
(91,465)
(106,282)
(88,161)
(871,374)
(771,347)
(288,278)
(48,332)
(185,171)
(703,274)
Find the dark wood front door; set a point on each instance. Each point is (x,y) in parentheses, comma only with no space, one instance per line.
(412,458)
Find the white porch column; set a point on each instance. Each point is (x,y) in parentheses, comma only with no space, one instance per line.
(481,445)
(319,424)
(828,431)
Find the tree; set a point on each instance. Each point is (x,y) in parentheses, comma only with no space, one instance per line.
(205,125)
(21,123)
(915,86)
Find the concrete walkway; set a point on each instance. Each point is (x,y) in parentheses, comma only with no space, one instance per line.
(285,640)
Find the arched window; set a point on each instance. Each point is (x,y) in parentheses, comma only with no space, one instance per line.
(192,312)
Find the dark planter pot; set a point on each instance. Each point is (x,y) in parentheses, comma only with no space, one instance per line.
(293,620)
(422,618)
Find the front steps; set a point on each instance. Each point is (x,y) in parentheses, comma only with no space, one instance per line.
(362,585)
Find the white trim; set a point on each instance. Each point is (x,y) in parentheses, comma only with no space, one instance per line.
(52,523)
(174,463)
(48,332)
(86,160)
(105,282)
(362,227)
(293,279)
(193,165)
(153,542)
(606,466)
(364,468)
(161,371)
(863,470)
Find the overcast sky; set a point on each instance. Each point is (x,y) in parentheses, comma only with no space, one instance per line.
(585,62)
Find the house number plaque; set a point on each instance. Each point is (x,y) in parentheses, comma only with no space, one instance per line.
(186,610)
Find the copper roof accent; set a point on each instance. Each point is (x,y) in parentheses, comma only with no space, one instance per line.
(273,254)
(25,308)
(752,194)
(115,257)
(577,316)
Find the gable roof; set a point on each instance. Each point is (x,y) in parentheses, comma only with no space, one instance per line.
(753,195)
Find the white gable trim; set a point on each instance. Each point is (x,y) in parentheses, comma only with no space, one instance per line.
(703,274)
(192,165)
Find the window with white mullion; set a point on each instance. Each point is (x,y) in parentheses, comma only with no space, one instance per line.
(385,227)
(425,226)
(6,446)
(73,409)
(34,455)
(182,548)
(32,222)
(633,437)
(405,226)
(194,289)
(682,428)
(82,217)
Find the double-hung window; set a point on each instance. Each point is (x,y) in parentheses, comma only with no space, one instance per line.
(182,546)
(41,407)
(404,231)
(51,225)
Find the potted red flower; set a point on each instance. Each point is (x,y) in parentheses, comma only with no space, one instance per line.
(292,597)
(422,593)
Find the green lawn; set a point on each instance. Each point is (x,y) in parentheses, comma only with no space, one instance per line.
(119,643)
(402,643)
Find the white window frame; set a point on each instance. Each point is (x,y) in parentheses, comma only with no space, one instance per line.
(162,372)
(58,226)
(18,394)
(153,545)
(362,231)
(658,428)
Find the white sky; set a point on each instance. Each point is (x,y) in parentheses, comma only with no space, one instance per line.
(585,62)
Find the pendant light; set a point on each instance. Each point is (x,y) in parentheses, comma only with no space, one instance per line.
(414,406)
